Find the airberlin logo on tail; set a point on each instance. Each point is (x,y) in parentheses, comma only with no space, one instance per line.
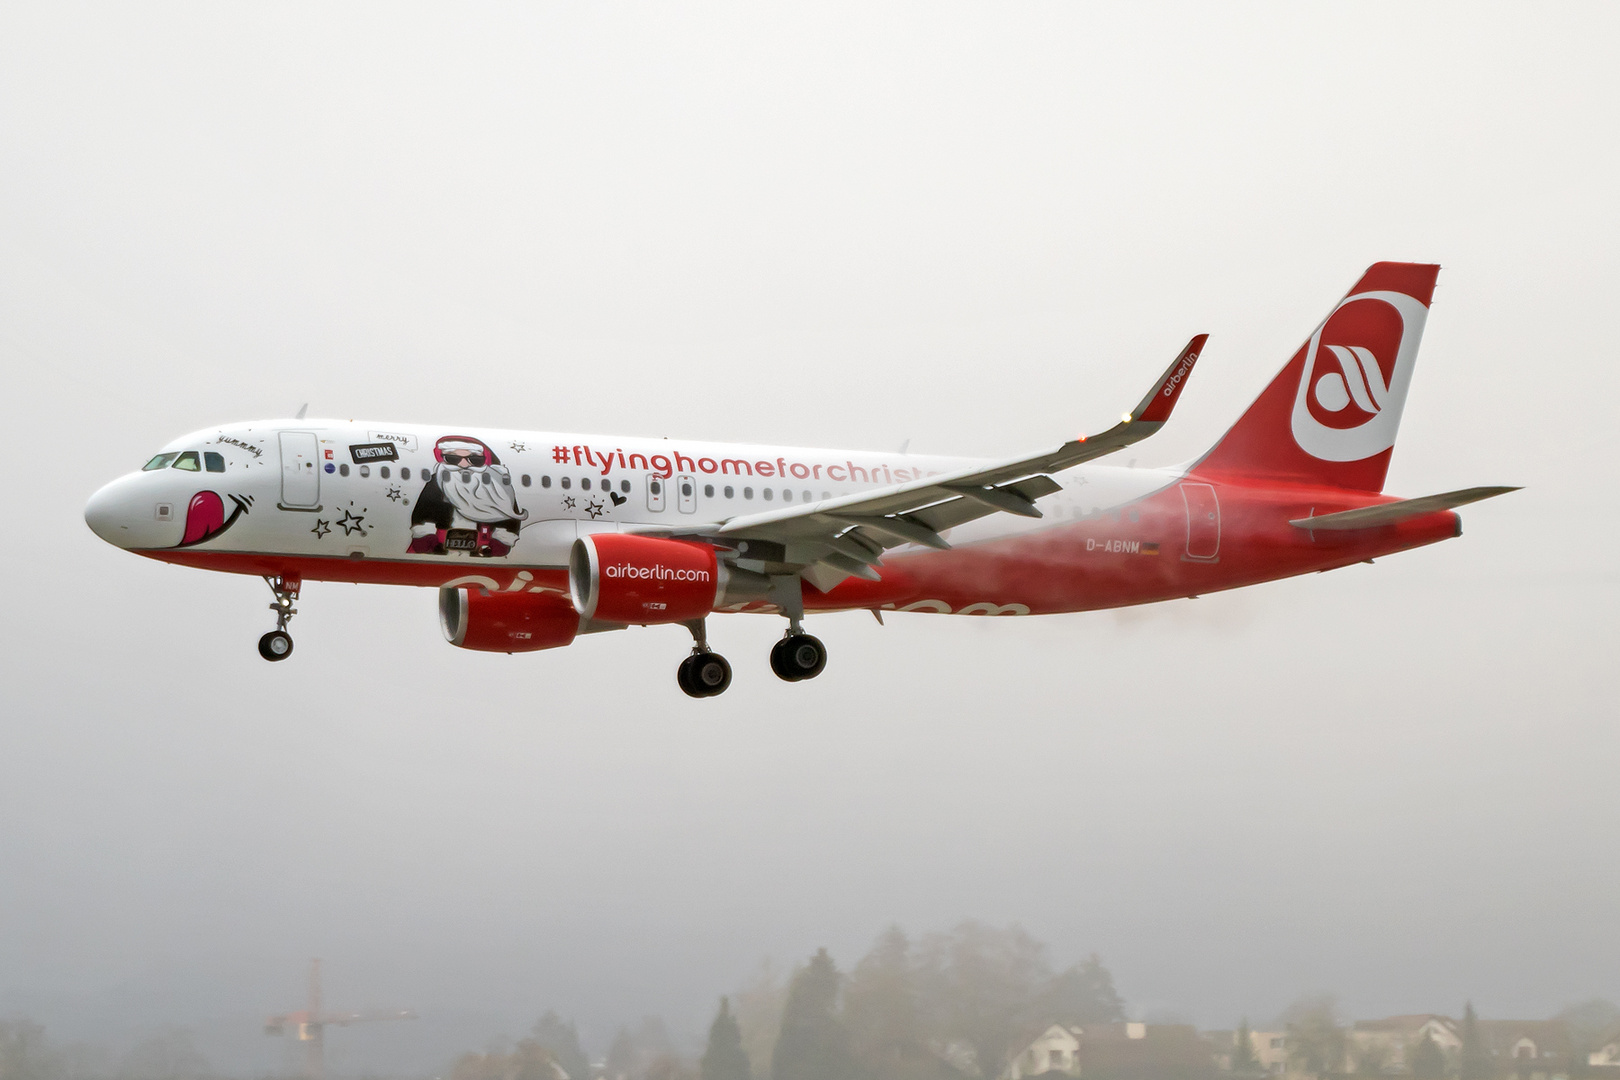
(1358,365)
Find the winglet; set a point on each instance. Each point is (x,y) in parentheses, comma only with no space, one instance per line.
(1155,408)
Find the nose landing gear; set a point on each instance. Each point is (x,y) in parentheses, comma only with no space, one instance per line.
(278,644)
(704,673)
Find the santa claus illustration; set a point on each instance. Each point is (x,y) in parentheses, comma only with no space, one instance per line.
(468,506)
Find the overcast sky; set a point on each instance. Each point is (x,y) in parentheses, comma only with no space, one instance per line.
(979,227)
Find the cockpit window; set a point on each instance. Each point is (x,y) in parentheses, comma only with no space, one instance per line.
(187,461)
(215,462)
(160,462)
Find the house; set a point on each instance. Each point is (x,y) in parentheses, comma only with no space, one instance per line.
(1268,1048)
(1606,1056)
(1123,1051)
(1055,1050)
(1530,1048)
(1386,1045)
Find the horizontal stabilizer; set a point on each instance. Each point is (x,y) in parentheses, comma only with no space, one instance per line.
(1370,517)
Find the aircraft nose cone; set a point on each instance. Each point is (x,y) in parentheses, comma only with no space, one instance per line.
(125,515)
(101,514)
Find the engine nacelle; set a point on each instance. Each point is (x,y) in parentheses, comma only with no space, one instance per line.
(624,578)
(507,622)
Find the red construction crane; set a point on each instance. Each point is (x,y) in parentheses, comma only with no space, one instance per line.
(311,1024)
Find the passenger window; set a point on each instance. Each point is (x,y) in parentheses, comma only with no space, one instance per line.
(787,495)
(656,488)
(807,496)
(188,462)
(585,484)
(405,473)
(767,493)
(748,493)
(214,462)
(686,488)
(383,472)
(365,470)
(545,481)
(624,486)
(731,492)
(708,491)
(565,482)
(525,480)
(344,469)
(826,495)
(162,461)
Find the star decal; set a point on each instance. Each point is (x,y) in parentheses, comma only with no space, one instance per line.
(350,523)
(518,447)
(594,508)
(394,492)
(568,502)
(321,528)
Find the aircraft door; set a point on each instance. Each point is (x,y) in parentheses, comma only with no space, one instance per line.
(686,494)
(655,492)
(300,471)
(1203,522)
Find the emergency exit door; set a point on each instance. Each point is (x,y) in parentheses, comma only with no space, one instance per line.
(300,471)
(1203,522)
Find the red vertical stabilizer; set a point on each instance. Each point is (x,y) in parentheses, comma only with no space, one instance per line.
(1330,417)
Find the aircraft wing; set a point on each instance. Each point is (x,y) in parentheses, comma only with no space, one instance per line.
(833,539)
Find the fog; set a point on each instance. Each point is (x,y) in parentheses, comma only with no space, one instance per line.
(982,228)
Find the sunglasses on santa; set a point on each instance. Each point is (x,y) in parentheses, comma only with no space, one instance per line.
(464,457)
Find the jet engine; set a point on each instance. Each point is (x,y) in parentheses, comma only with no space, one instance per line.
(624,578)
(506,622)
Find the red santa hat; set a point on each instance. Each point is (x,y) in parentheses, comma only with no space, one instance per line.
(465,444)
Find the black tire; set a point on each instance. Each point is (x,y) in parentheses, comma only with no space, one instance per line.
(798,656)
(711,674)
(685,679)
(781,666)
(276,645)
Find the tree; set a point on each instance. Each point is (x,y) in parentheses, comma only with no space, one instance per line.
(758,1008)
(1590,1023)
(880,1001)
(168,1055)
(813,1044)
(1315,1040)
(1373,1058)
(1084,994)
(1428,1061)
(1243,1059)
(1475,1063)
(623,1057)
(24,1052)
(983,986)
(560,1038)
(724,1058)
(528,1060)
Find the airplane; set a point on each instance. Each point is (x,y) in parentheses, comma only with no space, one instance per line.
(536,538)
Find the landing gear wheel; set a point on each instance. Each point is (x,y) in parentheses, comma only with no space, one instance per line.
(276,645)
(703,674)
(798,656)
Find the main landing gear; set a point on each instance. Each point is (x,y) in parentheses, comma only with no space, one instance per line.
(704,673)
(278,644)
(798,656)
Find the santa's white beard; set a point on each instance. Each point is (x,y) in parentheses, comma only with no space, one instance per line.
(482,495)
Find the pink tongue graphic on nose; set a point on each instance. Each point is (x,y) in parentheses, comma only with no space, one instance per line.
(204,517)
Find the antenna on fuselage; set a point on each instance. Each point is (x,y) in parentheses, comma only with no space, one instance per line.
(302,409)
